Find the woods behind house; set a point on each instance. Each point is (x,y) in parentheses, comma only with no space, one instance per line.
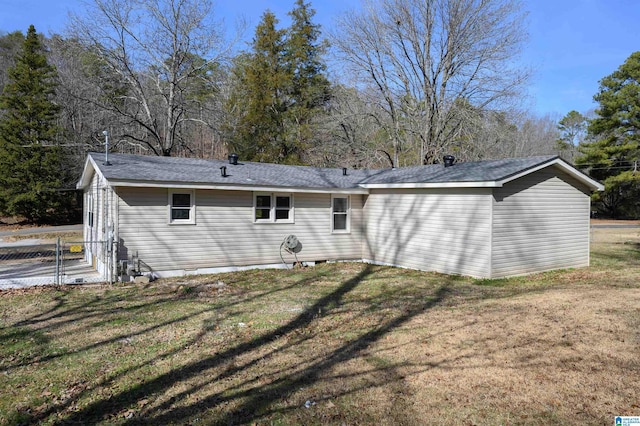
(394,83)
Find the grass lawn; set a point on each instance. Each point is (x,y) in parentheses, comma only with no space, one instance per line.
(338,344)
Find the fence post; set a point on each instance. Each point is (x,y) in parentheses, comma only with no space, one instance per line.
(58,261)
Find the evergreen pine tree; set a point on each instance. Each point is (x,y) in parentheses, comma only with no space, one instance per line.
(280,88)
(613,152)
(30,158)
(572,128)
(261,95)
(310,87)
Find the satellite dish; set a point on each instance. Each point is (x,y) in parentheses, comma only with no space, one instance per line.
(291,242)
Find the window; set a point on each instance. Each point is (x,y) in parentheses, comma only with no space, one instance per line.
(263,208)
(181,207)
(273,207)
(340,214)
(283,207)
(90,209)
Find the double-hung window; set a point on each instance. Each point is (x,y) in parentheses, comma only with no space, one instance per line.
(182,207)
(273,208)
(340,214)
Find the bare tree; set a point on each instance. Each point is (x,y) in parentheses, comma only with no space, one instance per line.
(77,93)
(423,56)
(10,45)
(536,136)
(166,55)
(503,135)
(349,134)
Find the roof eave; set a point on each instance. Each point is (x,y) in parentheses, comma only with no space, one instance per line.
(427,185)
(90,167)
(233,187)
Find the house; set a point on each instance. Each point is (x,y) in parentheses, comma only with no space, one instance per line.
(178,216)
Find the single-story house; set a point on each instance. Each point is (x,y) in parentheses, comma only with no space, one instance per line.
(490,219)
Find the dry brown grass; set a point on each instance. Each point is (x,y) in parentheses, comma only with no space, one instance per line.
(46,237)
(556,356)
(336,344)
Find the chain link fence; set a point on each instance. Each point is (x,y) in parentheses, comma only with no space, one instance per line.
(62,262)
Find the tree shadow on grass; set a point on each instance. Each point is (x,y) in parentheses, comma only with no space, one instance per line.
(61,314)
(625,258)
(109,308)
(260,399)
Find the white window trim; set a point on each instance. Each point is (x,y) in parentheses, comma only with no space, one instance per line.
(255,206)
(348,229)
(272,209)
(192,207)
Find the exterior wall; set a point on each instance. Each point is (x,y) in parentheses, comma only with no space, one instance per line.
(90,203)
(443,230)
(536,223)
(99,199)
(224,234)
(540,222)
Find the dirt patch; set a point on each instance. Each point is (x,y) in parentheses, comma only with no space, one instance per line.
(9,220)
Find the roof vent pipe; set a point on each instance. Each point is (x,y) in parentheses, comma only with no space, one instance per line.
(233,159)
(223,171)
(449,160)
(344,171)
(106,148)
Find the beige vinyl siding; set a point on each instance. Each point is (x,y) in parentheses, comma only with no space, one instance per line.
(540,222)
(443,230)
(96,238)
(224,233)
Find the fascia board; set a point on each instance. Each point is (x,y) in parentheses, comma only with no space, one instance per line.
(236,187)
(422,185)
(591,183)
(90,167)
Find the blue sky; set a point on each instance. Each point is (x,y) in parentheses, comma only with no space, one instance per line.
(572,44)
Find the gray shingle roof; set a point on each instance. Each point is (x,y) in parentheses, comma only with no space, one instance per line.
(473,171)
(139,168)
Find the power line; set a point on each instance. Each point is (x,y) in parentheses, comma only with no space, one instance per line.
(607,168)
